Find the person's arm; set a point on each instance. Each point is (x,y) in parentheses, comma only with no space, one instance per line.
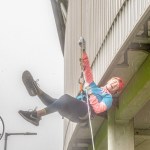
(97,106)
(87,72)
(100,106)
(86,68)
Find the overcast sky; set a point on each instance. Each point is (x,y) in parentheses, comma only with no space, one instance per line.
(29,41)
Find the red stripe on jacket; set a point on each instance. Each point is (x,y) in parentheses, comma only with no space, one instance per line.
(87,69)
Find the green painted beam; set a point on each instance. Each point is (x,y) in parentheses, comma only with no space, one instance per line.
(134,97)
(143,40)
(136,93)
(100,137)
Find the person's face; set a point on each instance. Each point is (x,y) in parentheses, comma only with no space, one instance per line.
(112,85)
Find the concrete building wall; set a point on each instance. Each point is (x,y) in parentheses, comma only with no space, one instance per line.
(106,26)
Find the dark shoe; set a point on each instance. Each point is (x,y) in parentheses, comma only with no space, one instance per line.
(30,116)
(30,83)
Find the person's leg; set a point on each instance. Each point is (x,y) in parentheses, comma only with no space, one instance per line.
(66,105)
(53,107)
(45,98)
(34,90)
(72,108)
(35,116)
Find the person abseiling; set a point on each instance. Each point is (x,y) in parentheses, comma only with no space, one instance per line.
(74,108)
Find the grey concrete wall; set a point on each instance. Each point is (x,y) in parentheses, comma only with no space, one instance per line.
(106,26)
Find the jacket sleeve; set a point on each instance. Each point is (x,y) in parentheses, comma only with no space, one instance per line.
(97,106)
(87,69)
(101,106)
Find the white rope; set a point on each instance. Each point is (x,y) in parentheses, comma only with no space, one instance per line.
(88,105)
(89,115)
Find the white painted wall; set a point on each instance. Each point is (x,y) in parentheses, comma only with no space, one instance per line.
(28,40)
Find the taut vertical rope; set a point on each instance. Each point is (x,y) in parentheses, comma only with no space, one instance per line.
(89,115)
(81,17)
(88,105)
(81,89)
(81,79)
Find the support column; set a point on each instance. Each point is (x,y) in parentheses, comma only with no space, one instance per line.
(120,135)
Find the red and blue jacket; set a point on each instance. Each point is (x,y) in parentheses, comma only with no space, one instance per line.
(99,98)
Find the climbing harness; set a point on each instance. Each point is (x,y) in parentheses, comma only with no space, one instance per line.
(3,127)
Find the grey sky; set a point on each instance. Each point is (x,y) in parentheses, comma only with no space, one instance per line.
(29,41)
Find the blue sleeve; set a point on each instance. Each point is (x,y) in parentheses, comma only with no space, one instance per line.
(107,100)
(93,85)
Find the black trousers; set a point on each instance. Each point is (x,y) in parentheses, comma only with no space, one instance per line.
(67,106)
